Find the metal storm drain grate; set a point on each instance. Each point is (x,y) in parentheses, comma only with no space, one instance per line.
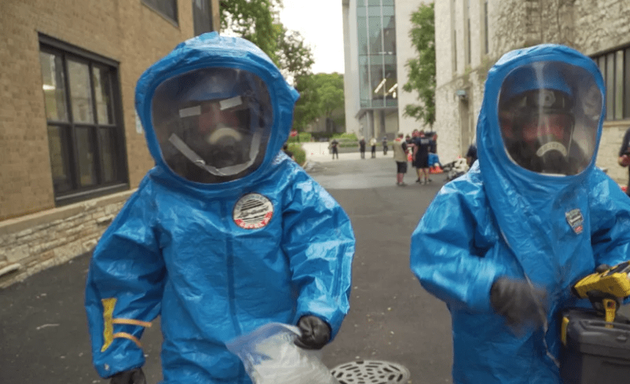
(370,372)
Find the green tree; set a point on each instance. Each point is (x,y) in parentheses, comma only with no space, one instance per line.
(257,21)
(330,90)
(253,20)
(295,58)
(320,95)
(422,68)
(307,108)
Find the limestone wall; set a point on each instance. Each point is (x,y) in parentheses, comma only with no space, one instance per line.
(592,27)
(35,242)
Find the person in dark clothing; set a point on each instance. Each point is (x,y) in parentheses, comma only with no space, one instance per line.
(422,146)
(471,155)
(384,145)
(362,147)
(624,156)
(434,143)
(335,151)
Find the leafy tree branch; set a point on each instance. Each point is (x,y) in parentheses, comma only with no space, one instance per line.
(422,68)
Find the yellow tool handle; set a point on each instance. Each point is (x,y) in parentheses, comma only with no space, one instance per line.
(611,310)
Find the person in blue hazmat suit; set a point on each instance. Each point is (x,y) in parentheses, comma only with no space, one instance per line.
(225,233)
(503,244)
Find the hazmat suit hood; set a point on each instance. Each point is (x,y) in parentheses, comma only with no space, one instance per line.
(216,112)
(529,203)
(522,199)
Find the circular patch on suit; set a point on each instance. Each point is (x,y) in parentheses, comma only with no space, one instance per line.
(252,211)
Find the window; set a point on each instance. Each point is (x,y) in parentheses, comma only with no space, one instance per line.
(454,35)
(615,68)
(85,135)
(468,48)
(202,16)
(485,27)
(376,29)
(167,8)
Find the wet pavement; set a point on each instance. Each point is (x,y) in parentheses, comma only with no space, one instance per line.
(43,330)
(391,317)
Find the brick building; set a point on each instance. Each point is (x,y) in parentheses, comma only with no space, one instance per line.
(71,147)
(472,34)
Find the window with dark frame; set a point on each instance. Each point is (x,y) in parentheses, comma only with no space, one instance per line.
(615,69)
(468,47)
(85,134)
(485,27)
(167,8)
(454,35)
(202,16)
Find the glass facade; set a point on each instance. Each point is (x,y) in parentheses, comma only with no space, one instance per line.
(615,68)
(376,23)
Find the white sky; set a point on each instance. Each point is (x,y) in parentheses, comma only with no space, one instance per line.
(320,23)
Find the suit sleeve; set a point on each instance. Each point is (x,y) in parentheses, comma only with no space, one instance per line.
(319,242)
(124,288)
(610,222)
(448,248)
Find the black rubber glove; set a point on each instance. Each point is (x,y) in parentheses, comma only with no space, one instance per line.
(132,376)
(315,332)
(519,302)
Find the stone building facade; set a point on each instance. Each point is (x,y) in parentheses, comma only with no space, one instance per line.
(71,147)
(472,34)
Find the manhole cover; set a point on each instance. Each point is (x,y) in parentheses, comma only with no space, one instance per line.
(370,372)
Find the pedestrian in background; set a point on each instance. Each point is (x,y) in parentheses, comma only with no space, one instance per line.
(434,138)
(333,146)
(409,141)
(400,157)
(471,154)
(422,146)
(384,145)
(362,147)
(373,145)
(624,156)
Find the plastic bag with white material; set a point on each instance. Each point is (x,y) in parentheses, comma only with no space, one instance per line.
(271,357)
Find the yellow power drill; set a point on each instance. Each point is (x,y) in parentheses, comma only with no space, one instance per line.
(614,282)
(590,346)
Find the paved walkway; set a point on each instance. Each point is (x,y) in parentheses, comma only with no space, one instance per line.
(43,330)
(318,152)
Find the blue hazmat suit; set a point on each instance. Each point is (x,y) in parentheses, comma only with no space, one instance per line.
(501,219)
(218,258)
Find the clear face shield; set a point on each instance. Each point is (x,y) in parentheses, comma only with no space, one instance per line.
(549,116)
(212,124)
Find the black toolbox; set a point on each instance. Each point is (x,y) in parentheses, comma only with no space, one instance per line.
(593,351)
